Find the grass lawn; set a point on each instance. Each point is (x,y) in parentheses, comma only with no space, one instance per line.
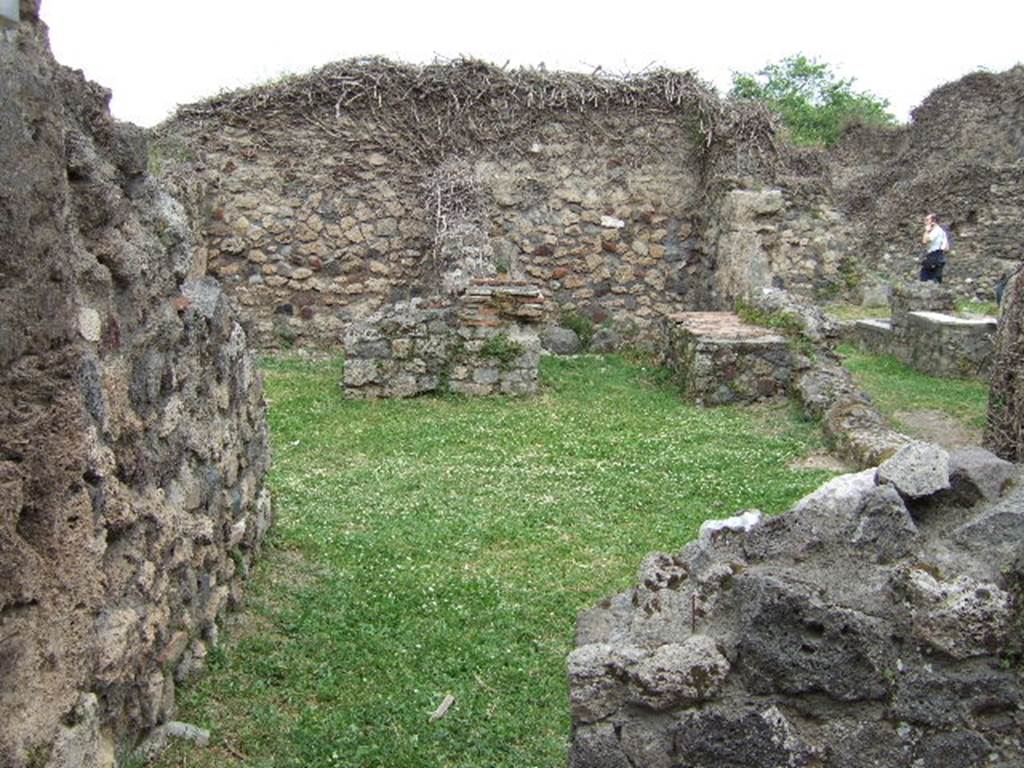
(897,388)
(445,546)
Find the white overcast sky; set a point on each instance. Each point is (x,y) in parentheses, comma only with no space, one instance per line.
(156,54)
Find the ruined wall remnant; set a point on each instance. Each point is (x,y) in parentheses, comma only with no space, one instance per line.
(1004,432)
(331,196)
(923,333)
(133,443)
(485,342)
(962,156)
(771,238)
(866,626)
(719,360)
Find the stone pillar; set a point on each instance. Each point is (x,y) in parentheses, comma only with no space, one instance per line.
(488,343)
(747,226)
(918,297)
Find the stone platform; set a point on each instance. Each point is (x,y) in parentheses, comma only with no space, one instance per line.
(718,359)
(485,342)
(926,336)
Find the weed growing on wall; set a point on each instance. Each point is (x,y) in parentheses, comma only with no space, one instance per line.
(785,323)
(581,325)
(502,349)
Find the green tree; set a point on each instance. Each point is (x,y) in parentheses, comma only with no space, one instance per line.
(814,104)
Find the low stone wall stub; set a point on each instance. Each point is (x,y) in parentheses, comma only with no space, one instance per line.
(487,342)
(876,336)
(918,297)
(718,359)
(398,353)
(949,347)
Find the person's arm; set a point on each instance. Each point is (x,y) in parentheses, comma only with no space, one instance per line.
(927,229)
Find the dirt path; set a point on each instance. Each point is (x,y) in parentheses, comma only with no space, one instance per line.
(936,427)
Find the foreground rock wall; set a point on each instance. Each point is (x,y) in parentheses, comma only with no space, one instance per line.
(133,443)
(876,623)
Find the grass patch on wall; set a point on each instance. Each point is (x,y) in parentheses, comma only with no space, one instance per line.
(445,545)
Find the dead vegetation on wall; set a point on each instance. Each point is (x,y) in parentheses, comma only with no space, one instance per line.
(428,113)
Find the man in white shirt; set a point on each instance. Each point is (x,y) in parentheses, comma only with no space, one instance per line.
(938,243)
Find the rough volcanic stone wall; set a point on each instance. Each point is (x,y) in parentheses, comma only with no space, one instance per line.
(772,238)
(323,209)
(1004,432)
(871,625)
(133,443)
(719,360)
(309,233)
(624,206)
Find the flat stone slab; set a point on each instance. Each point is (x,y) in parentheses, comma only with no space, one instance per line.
(724,326)
(966,322)
(879,325)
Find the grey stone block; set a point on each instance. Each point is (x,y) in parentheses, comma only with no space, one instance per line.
(916,470)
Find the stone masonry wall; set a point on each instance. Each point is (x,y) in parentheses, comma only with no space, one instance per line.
(960,157)
(309,234)
(719,360)
(323,209)
(486,343)
(873,624)
(133,442)
(924,334)
(770,238)
(1004,431)
(329,196)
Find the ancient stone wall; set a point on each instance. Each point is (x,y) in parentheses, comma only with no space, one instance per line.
(329,196)
(960,157)
(924,334)
(773,238)
(133,443)
(1004,432)
(310,233)
(322,209)
(719,360)
(485,343)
